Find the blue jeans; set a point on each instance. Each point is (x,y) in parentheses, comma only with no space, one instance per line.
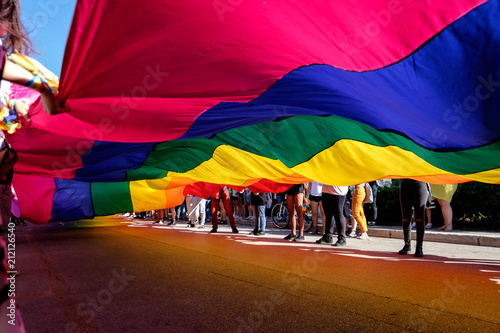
(260,220)
(180,211)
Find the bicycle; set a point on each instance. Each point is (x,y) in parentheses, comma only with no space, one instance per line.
(279,215)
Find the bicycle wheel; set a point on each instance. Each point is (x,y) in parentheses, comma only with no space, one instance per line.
(279,216)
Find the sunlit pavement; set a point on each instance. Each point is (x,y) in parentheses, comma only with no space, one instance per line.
(125,275)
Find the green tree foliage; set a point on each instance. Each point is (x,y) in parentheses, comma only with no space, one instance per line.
(475,206)
(389,211)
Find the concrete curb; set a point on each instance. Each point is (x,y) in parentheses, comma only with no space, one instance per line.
(479,238)
(456,237)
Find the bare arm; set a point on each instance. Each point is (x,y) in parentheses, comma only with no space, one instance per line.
(47,73)
(17,74)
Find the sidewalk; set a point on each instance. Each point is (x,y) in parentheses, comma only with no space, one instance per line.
(480,238)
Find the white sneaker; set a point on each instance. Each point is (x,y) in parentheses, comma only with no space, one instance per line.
(364,235)
(353,234)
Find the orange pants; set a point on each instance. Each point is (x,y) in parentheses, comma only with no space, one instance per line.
(357,208)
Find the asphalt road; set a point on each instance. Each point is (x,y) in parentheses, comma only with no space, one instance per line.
(122,275)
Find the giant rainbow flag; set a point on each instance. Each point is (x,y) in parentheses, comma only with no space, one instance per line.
(165,95)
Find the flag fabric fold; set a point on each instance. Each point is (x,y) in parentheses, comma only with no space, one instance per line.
(260,95)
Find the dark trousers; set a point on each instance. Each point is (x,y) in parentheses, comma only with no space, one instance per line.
(333,206)
(413,196)
(373,205)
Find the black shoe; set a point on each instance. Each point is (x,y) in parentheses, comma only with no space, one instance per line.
(172,223)
(418,252)
(213,231)
(290,237)
(260,233)
(299,239)
(339,243)
(190,225)
(235,230)
(405,249)
(324,240)
(254,232)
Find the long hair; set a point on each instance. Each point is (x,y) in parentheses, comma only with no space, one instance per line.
(16,39)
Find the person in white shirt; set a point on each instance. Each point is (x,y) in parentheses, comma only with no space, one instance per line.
(333,198)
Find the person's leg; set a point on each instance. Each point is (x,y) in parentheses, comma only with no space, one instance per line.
(195,209)
(357,208)
(354,227)
(363,224)
(348,216)
(236,204)
(262,217)
(172,212)
(419,202)
(428,215)
(214,207)
(315,205)
(178,212)
(222,211)
(420,231)
(227,206)
(447,215)
(241,205)
(374,203)
(314,208)
(322,211)
(181,213)
(255,220)
(328,203)
(189,208)
(291,213)
(405,200)
(184,210)
(298,201)
(203,215)
(208,209)
(338,214)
